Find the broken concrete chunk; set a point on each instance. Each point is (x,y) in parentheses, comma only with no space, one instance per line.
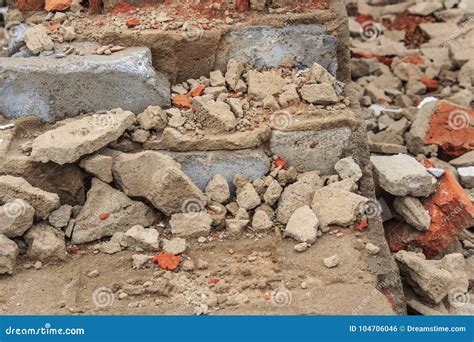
(265,83)
(191,224)
(261,221)
(81,136)
(412,210)
(322,94)
(297,195)
(337,207)
(303,225)
(158,178)
(107,211)
(213,114)
(467,176)
(218,189)
(8,254)
(174,246)
(347,184)
(99,165)
(236,227)
(16,187)
(61,216)
(402,175)
(16,217)
(273,192)
(37,39)
(153,118)
(234,71)
(248,197)
(433,279)
(45,243)
(348,168)
(216,78)
(465,160)
(65,87)
(141,238)
(332,261)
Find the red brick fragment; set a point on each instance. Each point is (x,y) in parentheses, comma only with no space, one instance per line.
(132,22)
(451,128)
(242,5)
(450,210)
(30,5)
(197,91)
(430,83)
(57,5)
(167,261)
(123,7)
(182,101)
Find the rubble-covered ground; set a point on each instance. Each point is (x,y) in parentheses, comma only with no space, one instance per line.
(89,223)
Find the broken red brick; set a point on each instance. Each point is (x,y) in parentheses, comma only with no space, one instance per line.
(182,101)
(450,210)
(213,280)
(451,128)
(95,6)
(361,226)
(123,7)
(242,5)
(103,216)
(54,27)
(57,5)
(427,163)
(280,162)
(413,59)
(132,22)
(197,91)
(363,18)
(167,261)
(430,83)
(30,5)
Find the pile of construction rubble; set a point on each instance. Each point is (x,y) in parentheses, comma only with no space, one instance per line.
(148,208)
(413,70)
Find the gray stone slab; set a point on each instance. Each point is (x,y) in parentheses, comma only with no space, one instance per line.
(317,150)
(267,46)
(201,166)
(53,89)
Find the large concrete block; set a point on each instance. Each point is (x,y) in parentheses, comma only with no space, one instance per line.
(53,89)
(311,150)
(202,166)
(267,46)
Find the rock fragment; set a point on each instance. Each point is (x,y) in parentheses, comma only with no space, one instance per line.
(37,39)
(303,225)
(433,279)
(81,136)
(402,175)
(212,114)
(467,176)
(174,246)
(218,189)
(332,261)
(191,224)
(265,83)
(261,221)
(108,211)
(321,94)
(45,243)
(16,217)
(348,168)
(61,216)
(8,254)
(99,165)
(153,118)
(17,188)
(412,210)
(248,197)
(141,238)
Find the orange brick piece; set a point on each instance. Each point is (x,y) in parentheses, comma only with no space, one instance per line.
(450,210)
(57,5)
(452,128)
(30,5)
(167,261)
